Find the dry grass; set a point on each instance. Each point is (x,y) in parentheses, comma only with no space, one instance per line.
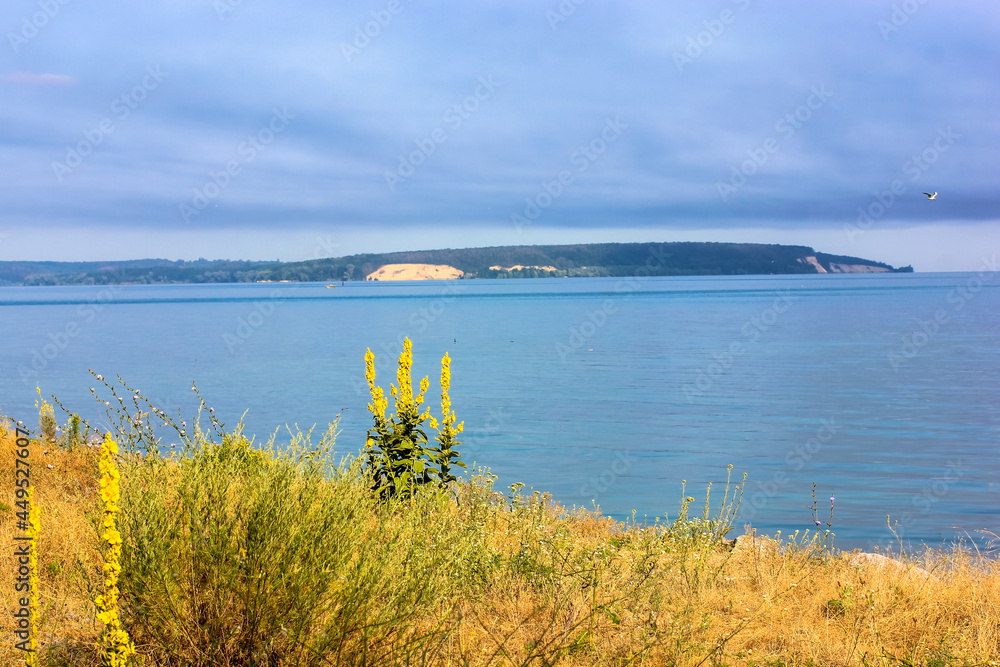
(761,606)
(547,586)
(70,567)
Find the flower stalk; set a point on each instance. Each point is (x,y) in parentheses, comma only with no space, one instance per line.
(116,647)
(34,532)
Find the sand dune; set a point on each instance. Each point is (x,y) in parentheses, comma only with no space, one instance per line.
(857,268)
(415,272)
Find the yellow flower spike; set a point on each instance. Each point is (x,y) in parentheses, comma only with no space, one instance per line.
(34,532)
(403,375)
(448,428)
(116,647)
(370,367)
(424,384)
(378,405)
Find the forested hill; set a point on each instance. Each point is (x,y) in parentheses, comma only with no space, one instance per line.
(593,259)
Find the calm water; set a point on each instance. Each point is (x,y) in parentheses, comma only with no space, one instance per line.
(882,389)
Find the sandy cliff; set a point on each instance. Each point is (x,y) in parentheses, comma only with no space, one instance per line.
(415,272)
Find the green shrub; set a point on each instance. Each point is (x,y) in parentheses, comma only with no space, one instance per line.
(232,558)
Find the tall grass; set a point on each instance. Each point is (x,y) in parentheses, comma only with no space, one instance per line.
(283,554)
(235,558)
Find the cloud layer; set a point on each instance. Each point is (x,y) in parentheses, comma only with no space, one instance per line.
(253,116)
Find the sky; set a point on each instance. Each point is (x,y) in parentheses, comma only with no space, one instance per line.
(258,129)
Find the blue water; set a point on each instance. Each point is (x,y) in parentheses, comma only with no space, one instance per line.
(882,389)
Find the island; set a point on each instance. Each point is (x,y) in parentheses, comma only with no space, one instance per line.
(524,261)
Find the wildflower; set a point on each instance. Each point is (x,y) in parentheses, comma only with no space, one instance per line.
(34,532)
(116,647)
(379,402)
(447,414)
(404,392)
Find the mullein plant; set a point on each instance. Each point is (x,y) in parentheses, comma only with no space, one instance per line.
(116,647)
(449,429)
(397,450)
(34,532)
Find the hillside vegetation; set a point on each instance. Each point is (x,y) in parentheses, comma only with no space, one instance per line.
(595,259)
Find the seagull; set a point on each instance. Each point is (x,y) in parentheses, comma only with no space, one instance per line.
(931,196)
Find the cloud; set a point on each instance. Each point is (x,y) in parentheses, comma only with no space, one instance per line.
(151,142)
(31,79)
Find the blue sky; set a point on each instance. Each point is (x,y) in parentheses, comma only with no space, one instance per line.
(263,130)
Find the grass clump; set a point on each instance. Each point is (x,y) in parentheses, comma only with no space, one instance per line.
(285,557)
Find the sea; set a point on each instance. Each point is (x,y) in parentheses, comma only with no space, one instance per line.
(869,403)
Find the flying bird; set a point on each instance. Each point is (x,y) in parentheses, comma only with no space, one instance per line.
(931,196)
